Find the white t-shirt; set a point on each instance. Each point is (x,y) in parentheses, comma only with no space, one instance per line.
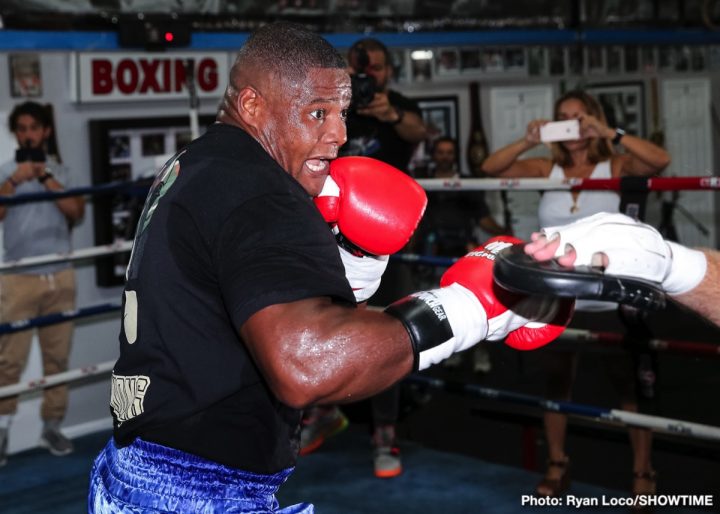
(557,208)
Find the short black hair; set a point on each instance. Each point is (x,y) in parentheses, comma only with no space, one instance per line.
(288,50)
(39,113)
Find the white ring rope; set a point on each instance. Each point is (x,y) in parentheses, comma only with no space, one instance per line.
(564,184)
(685,428)
(77,255)
(59,378)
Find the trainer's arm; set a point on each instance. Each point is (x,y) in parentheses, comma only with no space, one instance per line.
(315,351)
(705,298)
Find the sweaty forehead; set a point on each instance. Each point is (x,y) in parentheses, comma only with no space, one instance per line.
(322,84)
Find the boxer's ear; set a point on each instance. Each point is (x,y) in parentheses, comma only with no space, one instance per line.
(249,105)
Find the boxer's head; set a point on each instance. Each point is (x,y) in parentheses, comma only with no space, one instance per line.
(290,91)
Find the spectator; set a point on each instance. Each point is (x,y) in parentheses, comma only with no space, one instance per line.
(590,156)
(31,229)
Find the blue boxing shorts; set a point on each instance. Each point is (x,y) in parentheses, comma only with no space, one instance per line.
(149,478)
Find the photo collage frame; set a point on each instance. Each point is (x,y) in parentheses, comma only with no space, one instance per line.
(449,63)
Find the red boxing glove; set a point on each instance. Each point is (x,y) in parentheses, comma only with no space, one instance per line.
(469,307)
(375,206)
(528,321)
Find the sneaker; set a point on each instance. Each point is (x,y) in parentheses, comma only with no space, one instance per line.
(3,446)
(481,360)
(52,439)
(318,424)
(386,453)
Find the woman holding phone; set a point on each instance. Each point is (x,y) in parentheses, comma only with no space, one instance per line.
(590,156)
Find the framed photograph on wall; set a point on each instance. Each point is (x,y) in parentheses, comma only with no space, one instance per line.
(537,61)
(399,58)
(470,60)
(447,62)
(25,77)
(623,103)
(595,59)
(440,115)
(129,150)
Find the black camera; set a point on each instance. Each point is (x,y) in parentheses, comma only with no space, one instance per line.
(29,154)
(363,85)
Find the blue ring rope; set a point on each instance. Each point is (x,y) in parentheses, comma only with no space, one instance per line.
(58,317)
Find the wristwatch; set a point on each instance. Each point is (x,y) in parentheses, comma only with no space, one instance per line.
(46,175)
(619,133)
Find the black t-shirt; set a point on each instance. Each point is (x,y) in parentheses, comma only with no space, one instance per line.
(224,233)
(370,137)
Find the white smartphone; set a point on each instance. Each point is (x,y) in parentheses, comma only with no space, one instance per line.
(560,131)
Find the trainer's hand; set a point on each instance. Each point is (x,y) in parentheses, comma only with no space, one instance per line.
(621,246)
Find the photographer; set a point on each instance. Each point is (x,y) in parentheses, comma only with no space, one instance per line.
(381,123)
(387,126)
(31,229)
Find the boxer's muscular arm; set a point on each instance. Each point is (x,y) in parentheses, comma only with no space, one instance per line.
(315,351)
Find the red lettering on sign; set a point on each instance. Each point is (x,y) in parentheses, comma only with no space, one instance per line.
(126,76)
(149,70)
(146,76)
(207,76)
(102,83)
(179,75)
(166,75)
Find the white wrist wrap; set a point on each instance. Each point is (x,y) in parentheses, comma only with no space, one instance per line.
(467,319)
(687,270)
(363,272)
(441,322)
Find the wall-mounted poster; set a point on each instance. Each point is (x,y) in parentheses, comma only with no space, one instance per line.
(25,77)
(623,104)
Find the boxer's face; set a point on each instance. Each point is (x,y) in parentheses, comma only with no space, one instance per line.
(307,125)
